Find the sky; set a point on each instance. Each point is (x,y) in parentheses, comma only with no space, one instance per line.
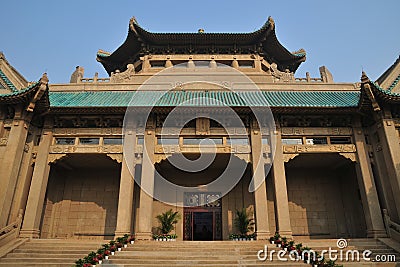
(347,36)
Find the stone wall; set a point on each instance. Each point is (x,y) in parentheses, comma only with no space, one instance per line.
(81,203)
(325,201)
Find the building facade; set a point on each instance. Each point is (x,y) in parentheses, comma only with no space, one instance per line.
(68,168)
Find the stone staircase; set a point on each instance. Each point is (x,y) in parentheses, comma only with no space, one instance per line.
(50,252)
(230,253)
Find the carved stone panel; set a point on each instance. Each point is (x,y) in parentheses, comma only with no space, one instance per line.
(318,148)
(316,131)
(3,141)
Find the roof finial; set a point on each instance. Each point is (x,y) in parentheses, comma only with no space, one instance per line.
(200,30)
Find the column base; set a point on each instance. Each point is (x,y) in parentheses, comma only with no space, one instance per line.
(29,233)
(286,233)
(263,235)
(144,236)
(376,233)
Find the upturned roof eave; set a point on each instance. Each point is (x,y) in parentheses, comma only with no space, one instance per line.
(138,36)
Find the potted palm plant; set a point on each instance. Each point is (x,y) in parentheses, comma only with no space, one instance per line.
(167,221)
(243,223)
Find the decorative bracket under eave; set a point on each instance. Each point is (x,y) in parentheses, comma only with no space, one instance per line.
(44,85)
(365,83)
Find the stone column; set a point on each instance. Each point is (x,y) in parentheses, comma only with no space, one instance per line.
(369,195)
(145,217)
(281,196)
(11,162)
(391,152)
(260,193)
(127,183)
(37,191)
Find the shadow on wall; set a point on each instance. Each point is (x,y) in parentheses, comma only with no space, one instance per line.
(324,197)
(82,198)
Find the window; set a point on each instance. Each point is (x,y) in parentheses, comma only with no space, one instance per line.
(157,64)
(340,140)
(292,141)
(63,141)
(112,141)
(89,141)
(203,141)
(140,140)
(316,141)
(237,141)
(167,140)
(245,64)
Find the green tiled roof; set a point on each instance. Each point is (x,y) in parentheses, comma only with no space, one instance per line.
(203,98)
(387,92)
(19,92)
(394,83)
(8,83)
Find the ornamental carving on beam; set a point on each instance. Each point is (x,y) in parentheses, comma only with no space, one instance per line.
(316,131)
(288,157)
(53,158)
(350,156)
(244,157)
(117,157)
(318,148)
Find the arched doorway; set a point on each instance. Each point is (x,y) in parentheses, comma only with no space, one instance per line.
(82,198)
(324,197)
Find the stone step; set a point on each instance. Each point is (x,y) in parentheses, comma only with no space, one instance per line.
(55,251)
(49,259)
(42,255)
(20,264)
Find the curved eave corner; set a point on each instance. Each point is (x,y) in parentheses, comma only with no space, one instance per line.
(35,95)
(374,92)
(287,60)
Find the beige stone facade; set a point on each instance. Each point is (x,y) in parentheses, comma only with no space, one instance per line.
(336,163)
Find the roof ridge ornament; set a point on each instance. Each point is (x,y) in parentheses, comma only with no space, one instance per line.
(270,22)
(132,23)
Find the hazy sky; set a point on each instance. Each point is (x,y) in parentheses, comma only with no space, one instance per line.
(56,36)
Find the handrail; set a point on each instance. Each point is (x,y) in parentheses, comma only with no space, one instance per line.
(392,228)
(12,228)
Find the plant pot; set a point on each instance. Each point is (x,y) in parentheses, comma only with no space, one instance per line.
(236,239)
(132,241)
(100,261)
(164,239)
(106,257)
(272,242)
(285,249)
(112,252)
(252,239)
(119,249)
(125,245)
(279,245)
